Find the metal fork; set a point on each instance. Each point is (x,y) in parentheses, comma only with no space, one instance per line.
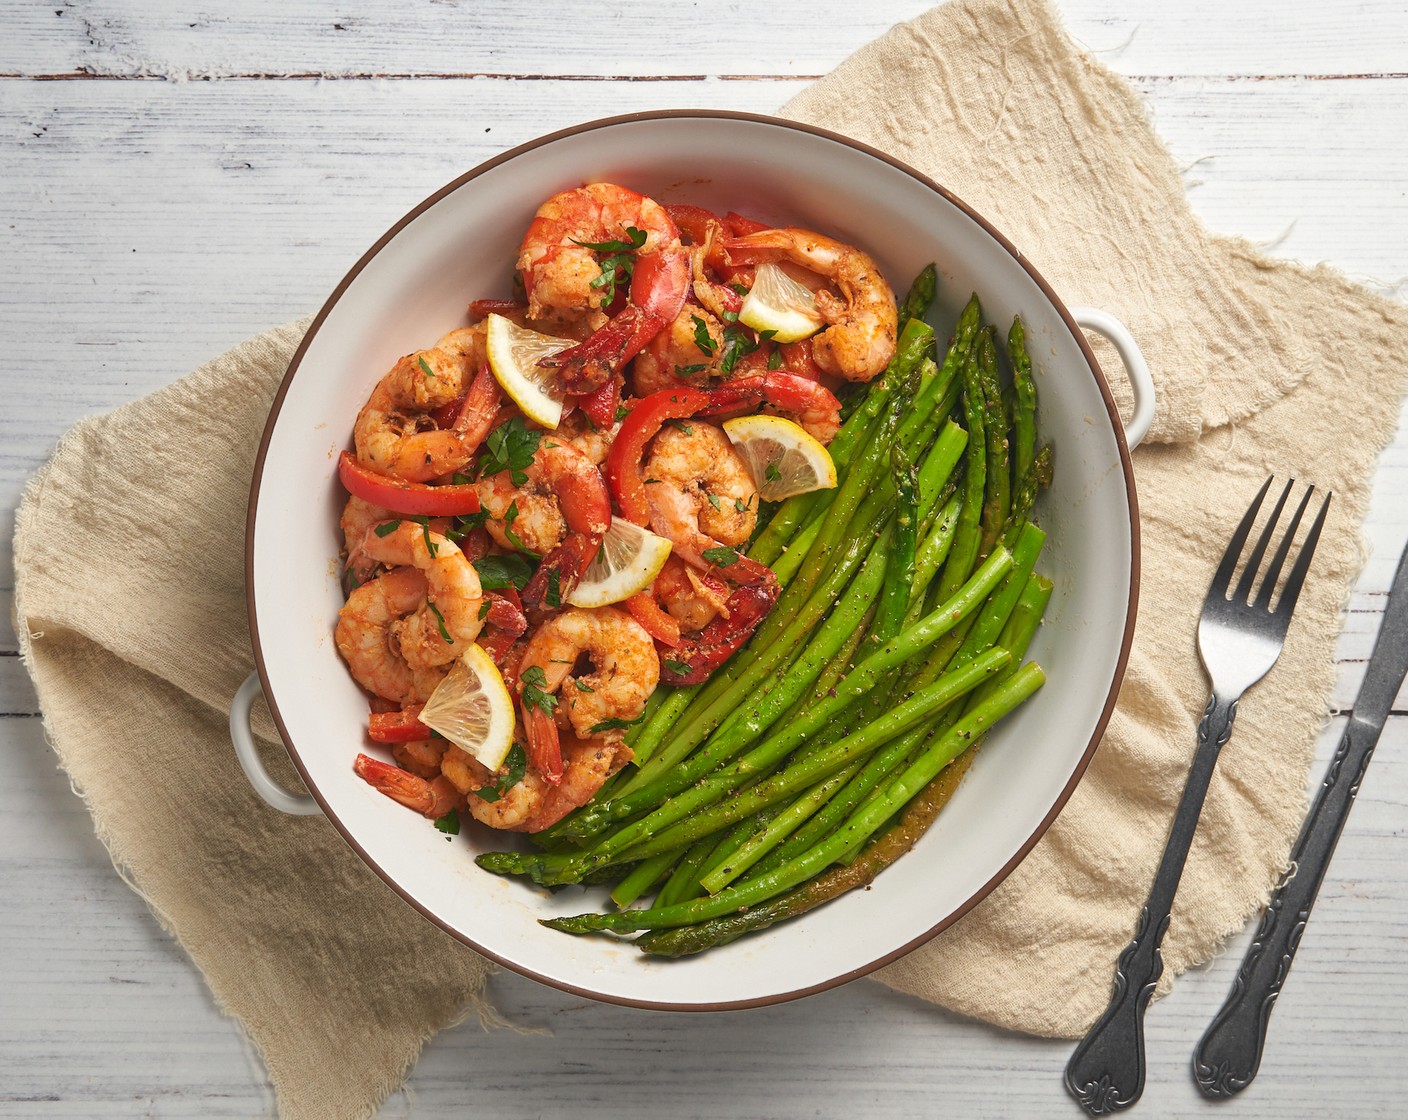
(1239,639)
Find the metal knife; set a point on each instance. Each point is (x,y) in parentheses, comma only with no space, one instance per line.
(1227,1058)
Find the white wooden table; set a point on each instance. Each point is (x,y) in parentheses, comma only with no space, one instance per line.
(178,176)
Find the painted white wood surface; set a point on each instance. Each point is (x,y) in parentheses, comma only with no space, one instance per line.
(177,176)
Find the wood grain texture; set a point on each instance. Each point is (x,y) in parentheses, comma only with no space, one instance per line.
(190,180)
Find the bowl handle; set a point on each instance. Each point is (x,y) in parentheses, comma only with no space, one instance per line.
(297,804)
(1102,322)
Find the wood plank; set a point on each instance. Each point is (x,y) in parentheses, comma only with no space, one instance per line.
(607,38)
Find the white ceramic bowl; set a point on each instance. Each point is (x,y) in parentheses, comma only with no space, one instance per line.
(412,286)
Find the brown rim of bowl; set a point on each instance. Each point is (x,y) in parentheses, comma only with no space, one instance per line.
(1130,612)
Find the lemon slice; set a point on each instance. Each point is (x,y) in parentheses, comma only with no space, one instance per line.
(780,304)
(630,558)
(782,458)
(514,353)
(473,709)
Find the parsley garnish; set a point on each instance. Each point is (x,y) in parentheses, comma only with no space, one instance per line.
(514,767)
(614,724)
(686,428)
(430,373)
(533,678)
(775,360)
(617,266)
(687,371)
(582,687)
(498,572)
(738,344)
(621,412)
(714,500)
(510,516)
(553,596)
(677,667)
(740,505)
(449,823)
(386,528)
(440,621)
(772,474)
(484,608)
(511,448)
(703,340)
(723,557)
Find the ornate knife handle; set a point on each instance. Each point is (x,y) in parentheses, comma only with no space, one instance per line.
(1106,1072)
(1229,1054)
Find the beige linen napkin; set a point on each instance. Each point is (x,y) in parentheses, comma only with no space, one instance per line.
(138,640)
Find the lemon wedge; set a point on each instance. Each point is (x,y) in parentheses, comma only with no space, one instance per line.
(780,304)
(473,709)
(782,458)
(629,559)
(514,353)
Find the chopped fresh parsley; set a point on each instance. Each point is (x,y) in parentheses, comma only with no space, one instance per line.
(738,344)
(553,596)
(775,360)
(514,767)
(430,373)
(677,667)
(740,505)
(714,500)
(723,557)
(484,608)
(498,572)
(439,621)
(617,265)
(703,340)
(614,724)
(772,474)
(690,370)
(684,426)
(386,528)
(511,448)
(510,516)
(621,412)
(582,687)
(533,678)
(449,823)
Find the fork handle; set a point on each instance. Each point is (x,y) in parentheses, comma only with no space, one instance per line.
(1106,1072)
(1229,1054)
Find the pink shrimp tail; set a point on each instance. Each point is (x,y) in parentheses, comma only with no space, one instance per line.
(544,749)
(431,799)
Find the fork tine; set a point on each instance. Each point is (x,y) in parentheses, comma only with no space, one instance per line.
(1222,578)
(1273,573)
(1291,591)
(1243,593)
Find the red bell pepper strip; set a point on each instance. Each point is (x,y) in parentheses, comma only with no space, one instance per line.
(659,624)
(646,418)
(698,656)
(411,498)
(398,727)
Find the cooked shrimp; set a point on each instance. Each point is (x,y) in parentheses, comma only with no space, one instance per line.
(592,440)
(621,672)
(701,495)
(432,798)
(428,416)
(863,323)
(359,515)
(563,511)
(694,599)
(533,804)
(448,620)
(687,352)
(364,639)
(813,406)
(421,757)
(562,271)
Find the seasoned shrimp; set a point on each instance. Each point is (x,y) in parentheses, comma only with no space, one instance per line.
(395,433)
(701,496)
(533,804)
(363,635)
(433,798)
(813,406)
(579,246)
(863,323)
(622,671)
(448,620)
(563,511)
(359,515)
(687,352)
(693,598)
(592,440)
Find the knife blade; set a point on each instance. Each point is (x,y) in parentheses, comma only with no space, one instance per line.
(1229,1054)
